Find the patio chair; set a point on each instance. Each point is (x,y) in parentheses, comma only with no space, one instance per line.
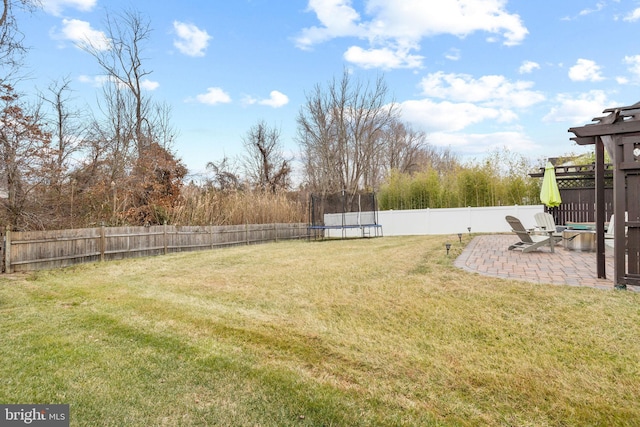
(545,223)
(609,234)
(528,242)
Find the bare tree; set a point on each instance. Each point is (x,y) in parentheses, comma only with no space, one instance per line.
(11,47)
(403,147)
(130,162)
(66,128)
(112,134)
(264,162)
(225,177)
(442,159)
(68,138)
(25,155)
(160,129)
(123,63)
(341,132)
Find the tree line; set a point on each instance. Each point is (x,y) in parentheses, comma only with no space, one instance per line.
(64,166)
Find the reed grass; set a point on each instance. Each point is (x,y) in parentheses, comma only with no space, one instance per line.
(211,207)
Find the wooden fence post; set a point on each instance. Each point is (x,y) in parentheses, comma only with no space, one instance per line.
(102,243)
(246,233)
(164,236)
(7,251)
(275,227)
(2,247)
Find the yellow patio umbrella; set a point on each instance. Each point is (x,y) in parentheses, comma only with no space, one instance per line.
(549,193)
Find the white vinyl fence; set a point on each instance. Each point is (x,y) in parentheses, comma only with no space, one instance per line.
(441,221)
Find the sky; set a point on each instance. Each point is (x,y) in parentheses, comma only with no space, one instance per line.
(475,75)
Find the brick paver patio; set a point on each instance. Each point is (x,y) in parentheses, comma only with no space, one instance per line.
(489,255)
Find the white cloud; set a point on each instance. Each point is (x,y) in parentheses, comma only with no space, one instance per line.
(55,7)
(99,81)
(527,67)
(384,58)
(414,19)
(149,84)
(448,116)
(338,19)
(480,143)
(633,16)
(276,100)
(634,65)
(191,40)
(453,54)
(214,95)
(395,28)
(81,34)
(455,102)
(578,110)
(249,100)
(585,70)
(599,6)
(491,91)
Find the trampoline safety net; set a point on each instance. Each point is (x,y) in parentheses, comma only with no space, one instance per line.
(343,211)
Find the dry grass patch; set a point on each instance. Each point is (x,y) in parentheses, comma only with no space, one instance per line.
(355,332)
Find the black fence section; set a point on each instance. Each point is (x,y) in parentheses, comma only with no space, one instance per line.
(37,250)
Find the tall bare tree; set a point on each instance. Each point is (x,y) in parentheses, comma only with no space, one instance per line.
(264,162)
(111,133)
(403,147)
(122,62)
(66,127)
(130,158)
(341,132)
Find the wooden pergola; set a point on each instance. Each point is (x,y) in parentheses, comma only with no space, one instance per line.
(619,133)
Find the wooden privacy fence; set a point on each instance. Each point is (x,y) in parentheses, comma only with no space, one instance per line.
(577,212)
(37,250)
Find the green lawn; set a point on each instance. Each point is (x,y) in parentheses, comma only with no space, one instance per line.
(337,333)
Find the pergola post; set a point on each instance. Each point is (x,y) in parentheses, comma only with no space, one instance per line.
(600,209)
